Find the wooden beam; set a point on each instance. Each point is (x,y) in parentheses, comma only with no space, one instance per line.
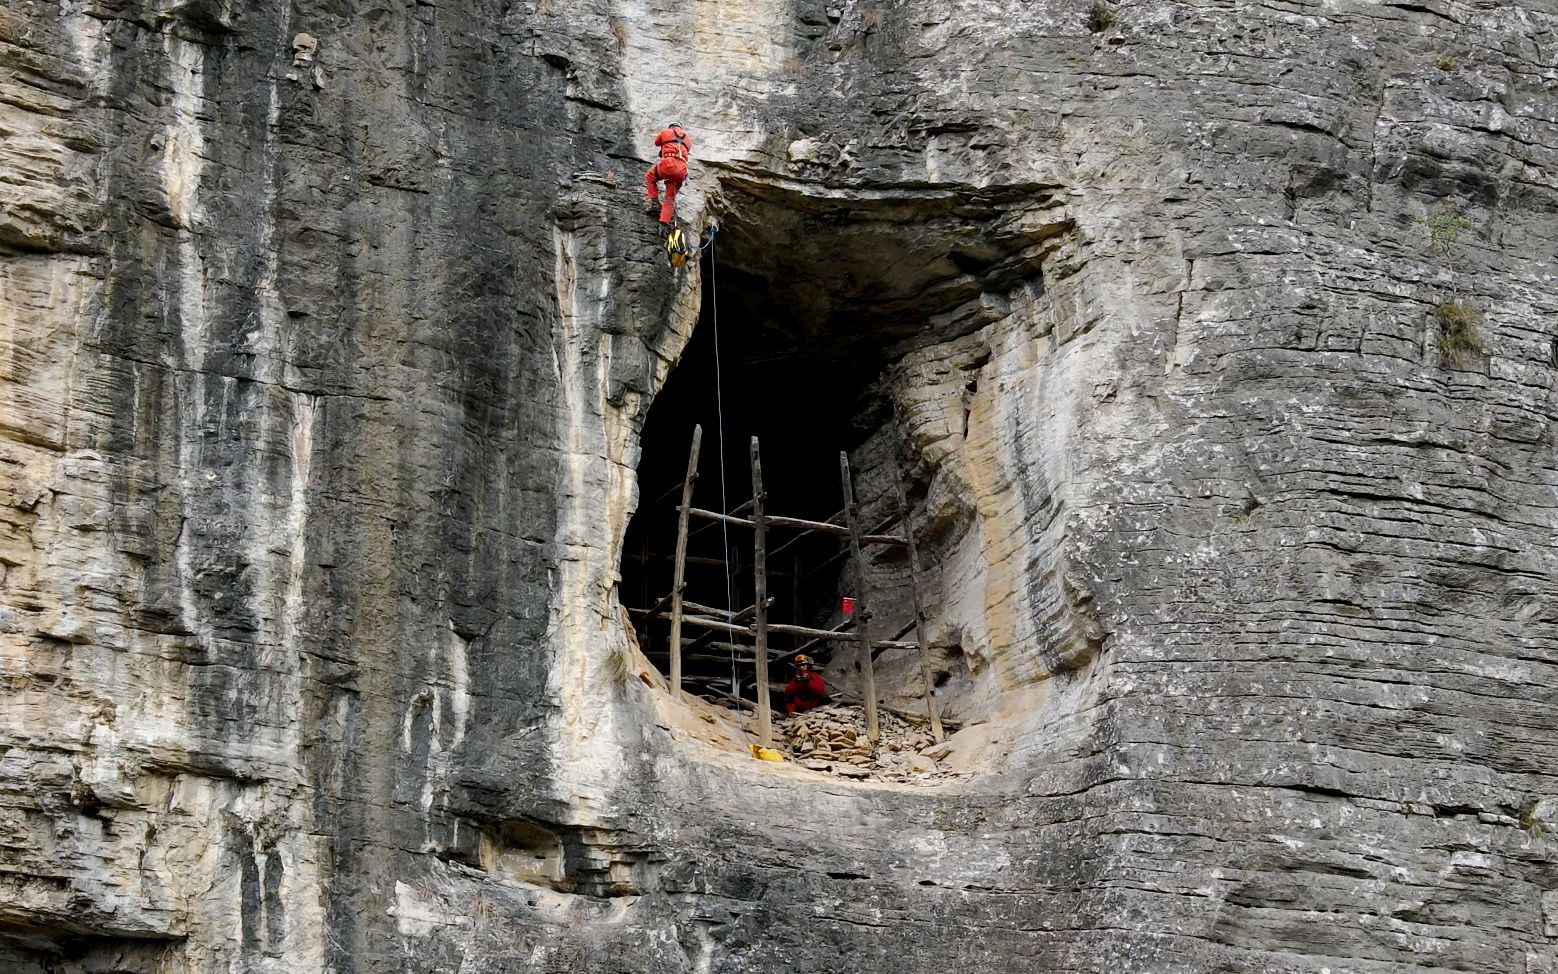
(834,635)
(799,537)
(862,609)
(765,720)
(919,615)
(703,639)
(840,635)
(721,657)
(823,526)
(742,701)
(710,610)
(744,648)
(707,610)
(822,635)
(737,510)
(653,610)
(751,610)
(805,525)
(681,563)
(734,511)
(825,563)
(799,523)
(745,652)
(882,539)
(716,516)
(669,493)
(706,623)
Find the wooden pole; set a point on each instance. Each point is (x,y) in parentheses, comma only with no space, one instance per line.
(919,614)
(765,720)
(862,610)
(681,564)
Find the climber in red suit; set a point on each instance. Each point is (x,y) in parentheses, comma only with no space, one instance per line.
(675,148)
(806,690)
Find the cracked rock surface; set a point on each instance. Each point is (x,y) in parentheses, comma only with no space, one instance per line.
(321,374)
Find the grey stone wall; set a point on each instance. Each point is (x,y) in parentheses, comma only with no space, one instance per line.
(321,390)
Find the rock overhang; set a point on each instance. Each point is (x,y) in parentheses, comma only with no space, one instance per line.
(843,272)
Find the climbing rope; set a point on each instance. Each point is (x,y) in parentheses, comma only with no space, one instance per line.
(719,409)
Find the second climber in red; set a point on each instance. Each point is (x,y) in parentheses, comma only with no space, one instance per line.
(806,690)
(675,149)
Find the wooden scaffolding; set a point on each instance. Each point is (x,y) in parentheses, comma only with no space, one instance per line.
(752,623)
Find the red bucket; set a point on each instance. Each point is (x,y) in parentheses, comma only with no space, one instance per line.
(848,607)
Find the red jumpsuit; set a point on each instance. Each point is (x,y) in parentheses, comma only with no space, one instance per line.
(804,692)
(675,147)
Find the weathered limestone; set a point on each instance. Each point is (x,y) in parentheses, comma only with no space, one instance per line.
(321,389)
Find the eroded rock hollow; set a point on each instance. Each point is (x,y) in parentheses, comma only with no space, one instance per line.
(1214,344)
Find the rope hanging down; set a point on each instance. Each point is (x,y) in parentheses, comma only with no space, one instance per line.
(719,409)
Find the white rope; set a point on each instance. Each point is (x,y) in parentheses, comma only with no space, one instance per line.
(719,408)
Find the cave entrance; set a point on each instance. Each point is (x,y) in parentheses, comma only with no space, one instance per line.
(806,394)
(818,292)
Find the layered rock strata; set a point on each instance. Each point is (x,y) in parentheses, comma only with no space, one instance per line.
(324,366)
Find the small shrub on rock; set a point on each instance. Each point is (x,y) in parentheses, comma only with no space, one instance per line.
(1458,337)
(1445,227)
(1101,16)
(1531,820)
(619,667)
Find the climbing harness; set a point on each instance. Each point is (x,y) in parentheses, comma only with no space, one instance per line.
(679,139)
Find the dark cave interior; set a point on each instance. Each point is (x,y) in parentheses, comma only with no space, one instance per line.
(804,405)
(807,298)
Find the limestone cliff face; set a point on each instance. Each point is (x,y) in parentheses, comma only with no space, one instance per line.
(323,374)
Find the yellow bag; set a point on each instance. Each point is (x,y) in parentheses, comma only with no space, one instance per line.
(765,753)
(676,247)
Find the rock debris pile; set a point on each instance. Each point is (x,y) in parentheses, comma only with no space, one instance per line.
(833,738)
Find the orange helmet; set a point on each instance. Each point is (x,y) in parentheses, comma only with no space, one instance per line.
(802,660)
